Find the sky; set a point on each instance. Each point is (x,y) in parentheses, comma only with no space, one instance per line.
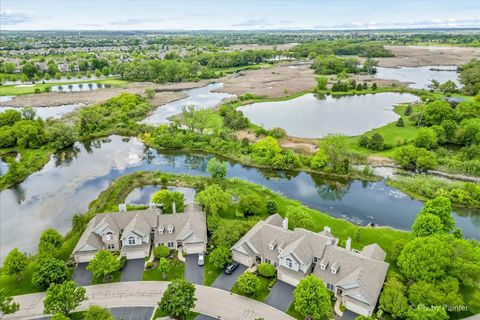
(237,15)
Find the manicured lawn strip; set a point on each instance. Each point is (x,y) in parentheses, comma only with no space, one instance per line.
(115,278)
(160,314)
(293,313)
(177,271)
(14,90)
(210,272)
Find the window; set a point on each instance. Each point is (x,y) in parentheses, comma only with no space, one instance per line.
(289,263)
(131,240)
(315,259)
(268,261)
(330,286)
(170,244)
(109,236)
(110,246)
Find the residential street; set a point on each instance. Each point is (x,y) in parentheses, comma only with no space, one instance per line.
(216,303)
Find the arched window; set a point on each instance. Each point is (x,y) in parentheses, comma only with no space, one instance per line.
(289,263)
(131,240)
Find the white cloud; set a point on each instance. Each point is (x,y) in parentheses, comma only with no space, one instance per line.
(9,17)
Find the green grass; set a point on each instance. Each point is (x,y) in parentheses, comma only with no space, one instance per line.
(249,67)
(115,278)
(24,286)
(160,314)
(294,313)
(262,291)
(14,90)
(177,271)
(210,272)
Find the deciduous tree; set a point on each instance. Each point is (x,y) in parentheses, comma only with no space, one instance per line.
(312,299)
(178,299)
(63,298)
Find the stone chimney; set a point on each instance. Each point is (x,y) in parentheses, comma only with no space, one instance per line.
(348,246)
(285,224)
(174,207)
(122,207)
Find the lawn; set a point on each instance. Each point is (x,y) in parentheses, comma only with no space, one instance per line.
(294,313)
(262,291)
(210,272)
(160,314)
(15,90)
(115,278)
(177,271)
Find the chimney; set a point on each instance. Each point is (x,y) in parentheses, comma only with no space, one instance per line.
(348,246)
(174,207)
(285,224)
(122,207)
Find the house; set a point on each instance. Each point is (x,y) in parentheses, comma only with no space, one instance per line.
(354,277)
(134,233)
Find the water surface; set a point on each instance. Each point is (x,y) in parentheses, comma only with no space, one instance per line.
(419,77)
(55,112)
(78,87)
(310,117)
(201,98)
(71,180)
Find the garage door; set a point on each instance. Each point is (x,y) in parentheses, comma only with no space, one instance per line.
(356,308)
(84,258)
(194,248)
(288,278)
(242,258)
(135,255)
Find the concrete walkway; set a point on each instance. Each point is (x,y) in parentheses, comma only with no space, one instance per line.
(213,302)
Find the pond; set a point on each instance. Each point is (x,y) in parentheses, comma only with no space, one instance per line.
(55,112)
(201,98)
(419,77)
(79,87)
(310,117)
(73,178)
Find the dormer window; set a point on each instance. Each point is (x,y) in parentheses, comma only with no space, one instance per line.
(161,229)
(131,240)
(323,264)
(272,245)
(289,263)
(334,268)
(170,229)
(109,236)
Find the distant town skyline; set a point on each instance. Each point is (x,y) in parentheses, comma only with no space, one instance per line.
(237,15)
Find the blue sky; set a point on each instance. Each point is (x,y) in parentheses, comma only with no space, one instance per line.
(236,15)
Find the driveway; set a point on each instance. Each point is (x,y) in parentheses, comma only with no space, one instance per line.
(226,281)
(213,302)
(204,317)
(133,270)
(280,296)
(81,275)
(132,313)
(349,315)
(193,272)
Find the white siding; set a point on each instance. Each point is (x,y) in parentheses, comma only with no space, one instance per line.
(283,262)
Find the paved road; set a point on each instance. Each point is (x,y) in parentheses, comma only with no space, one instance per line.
(193,272)
(280,296)
(213,302)
(226,281)
(81,275)
(132,313)
(133,270)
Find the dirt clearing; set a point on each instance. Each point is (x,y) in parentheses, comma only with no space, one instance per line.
(418,56)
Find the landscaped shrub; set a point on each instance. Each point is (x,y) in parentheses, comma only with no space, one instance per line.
(266,270)
(161,252)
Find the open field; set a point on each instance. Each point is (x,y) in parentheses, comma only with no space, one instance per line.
(417,56)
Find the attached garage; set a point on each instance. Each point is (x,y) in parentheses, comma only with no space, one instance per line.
(192,248)
(288,278)
(242,258)
(140,254)
(357,307)
(83,257)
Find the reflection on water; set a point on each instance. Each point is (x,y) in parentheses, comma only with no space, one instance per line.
(201,98)
(51,112)
(71,180)
(419,77)
(310,117)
